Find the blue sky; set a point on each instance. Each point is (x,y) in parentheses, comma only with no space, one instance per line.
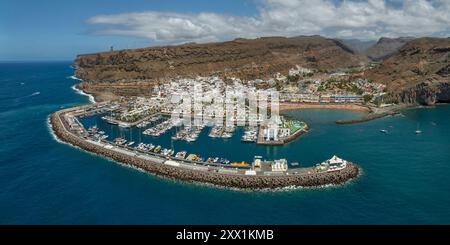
(58,30)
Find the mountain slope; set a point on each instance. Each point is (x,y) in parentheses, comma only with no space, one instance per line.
(357,45)
(385,47)
(418,73)
(122,72)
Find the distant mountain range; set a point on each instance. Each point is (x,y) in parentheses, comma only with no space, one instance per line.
(386,47)
(405,63)
(377,51)
(358,46)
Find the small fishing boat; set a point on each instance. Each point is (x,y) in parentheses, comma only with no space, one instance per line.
(192,157)
(242,164)
(124,125)
(418,131)
(181,154)
(93,130)
(170,152)
(120,141)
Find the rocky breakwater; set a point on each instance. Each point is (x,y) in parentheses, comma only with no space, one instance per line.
(368,117)
(307,177)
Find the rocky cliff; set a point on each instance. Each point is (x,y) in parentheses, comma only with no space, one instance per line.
(425,93)
(417,73)
(358,46)
(385,47)
(417,70)
(135,71)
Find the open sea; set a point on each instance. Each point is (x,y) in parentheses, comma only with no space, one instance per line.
(405,177)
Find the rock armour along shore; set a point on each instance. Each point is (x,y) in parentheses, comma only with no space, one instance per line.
(211,177)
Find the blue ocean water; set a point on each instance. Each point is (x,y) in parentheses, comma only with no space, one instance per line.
(404,180)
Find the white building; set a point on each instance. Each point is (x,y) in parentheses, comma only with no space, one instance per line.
(333,164)
(279,165)
(335,161)
(273,131)
(299,70)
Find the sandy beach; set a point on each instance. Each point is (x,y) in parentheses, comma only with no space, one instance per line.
(297,106)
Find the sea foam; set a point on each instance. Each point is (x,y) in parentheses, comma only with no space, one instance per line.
(78,91)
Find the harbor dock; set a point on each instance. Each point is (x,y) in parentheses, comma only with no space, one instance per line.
(67,128)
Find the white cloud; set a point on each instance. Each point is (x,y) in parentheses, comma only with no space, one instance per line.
(349,19)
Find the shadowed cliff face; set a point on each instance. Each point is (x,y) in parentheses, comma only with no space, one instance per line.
(358,46)
(243,58)
(385,47)
(425,93)
(418,72)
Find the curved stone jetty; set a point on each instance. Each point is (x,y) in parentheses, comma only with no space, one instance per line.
(367,118)
(306,177)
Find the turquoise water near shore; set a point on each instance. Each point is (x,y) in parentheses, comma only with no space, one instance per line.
(404,180)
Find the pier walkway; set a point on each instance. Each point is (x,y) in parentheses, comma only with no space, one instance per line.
(197,171)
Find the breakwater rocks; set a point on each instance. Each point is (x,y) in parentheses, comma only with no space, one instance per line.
(306,178)
(369,117)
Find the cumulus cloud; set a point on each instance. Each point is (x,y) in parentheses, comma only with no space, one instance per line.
(368,19)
